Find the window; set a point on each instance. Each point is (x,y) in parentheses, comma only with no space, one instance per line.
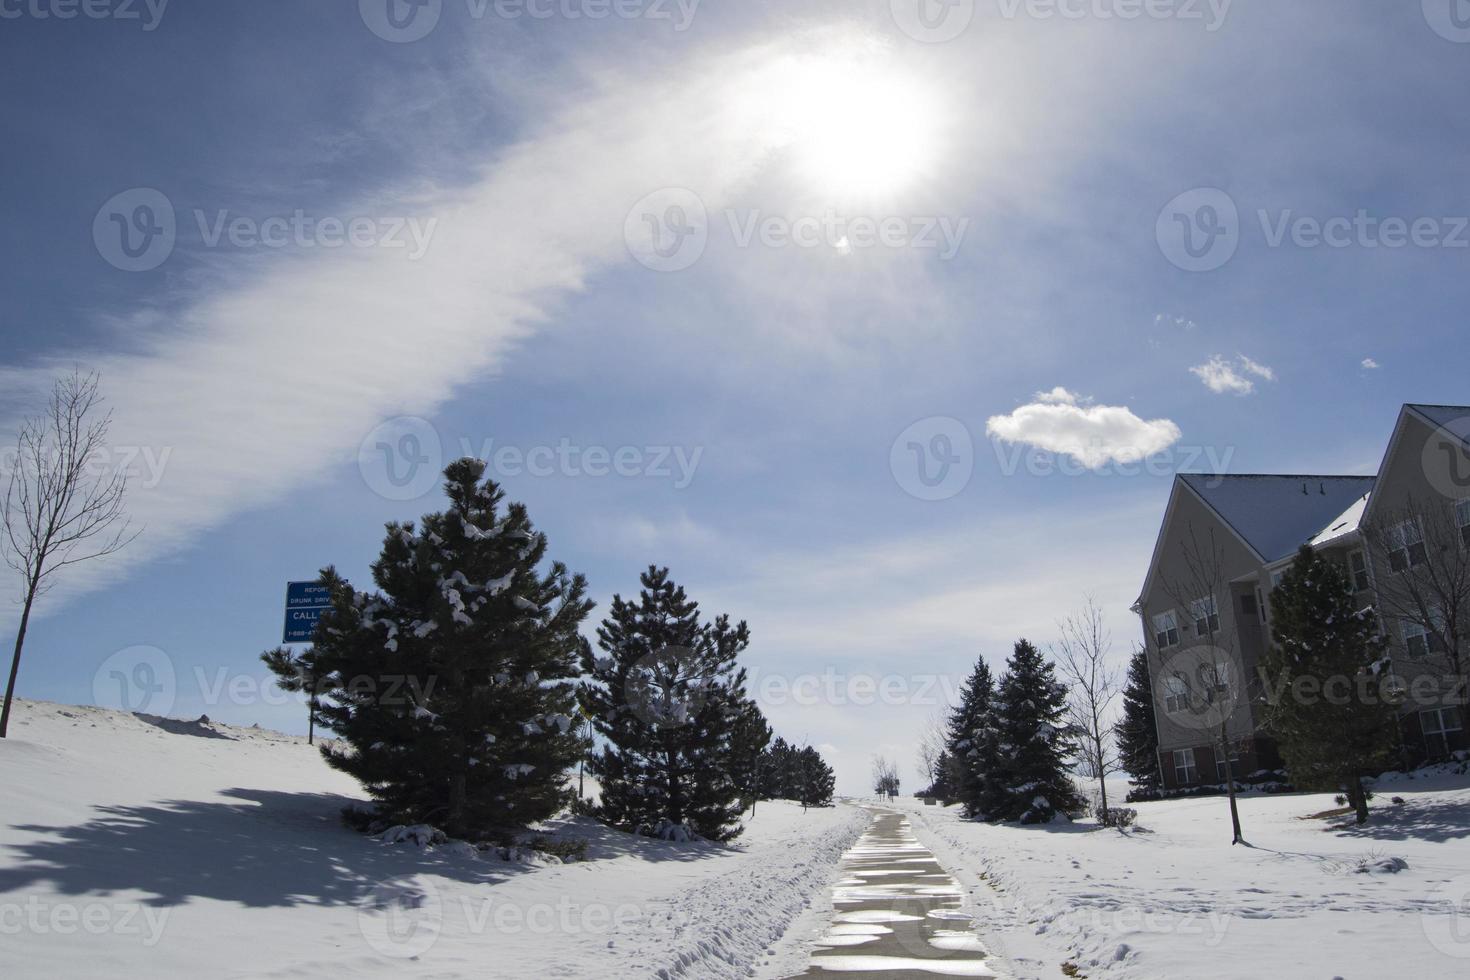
(1206,615)
(1176,694)
(1166,630)
(1250,606)
(1277,576)
(1185,772)
(1406,546)
(1223,772)
(1358,571)
(1421,642)
(1462,517)
(1216,680)
(1440,726)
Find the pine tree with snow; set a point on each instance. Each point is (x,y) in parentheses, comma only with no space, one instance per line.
(1330,699)
(452,685)
(667,696)
(968,724)
(1138,735)
(1032,783)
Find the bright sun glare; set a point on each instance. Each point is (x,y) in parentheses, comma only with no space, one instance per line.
(857,126)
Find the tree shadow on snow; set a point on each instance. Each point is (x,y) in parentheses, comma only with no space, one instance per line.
(263,849)
(1436,820)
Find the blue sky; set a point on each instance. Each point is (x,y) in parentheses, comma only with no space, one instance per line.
(527,152)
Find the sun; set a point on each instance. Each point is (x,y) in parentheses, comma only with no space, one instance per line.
(856,125)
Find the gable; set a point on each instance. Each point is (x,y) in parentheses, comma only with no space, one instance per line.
(1276,515)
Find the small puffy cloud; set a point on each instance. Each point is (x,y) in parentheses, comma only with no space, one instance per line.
(1230,377)
(1369,364)
(1095,435)
(1057,396)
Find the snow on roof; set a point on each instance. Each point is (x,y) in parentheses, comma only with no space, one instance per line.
(1346,523)
(1451,418)
(1276,515)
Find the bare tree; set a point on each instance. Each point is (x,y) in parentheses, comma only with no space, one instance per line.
(1199,589)
(1082,653)
(1421,558)
(59,508)
(932,742)
(885,777)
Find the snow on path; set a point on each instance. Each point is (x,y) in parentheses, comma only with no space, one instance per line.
(898,913)
(131,847)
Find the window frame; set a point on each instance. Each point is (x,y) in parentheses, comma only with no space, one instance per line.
(1230,767)
(1361,578)
(1444,729)
(1189,769)
(1210,606)
(1462,518)
(1161,637)
(1433,638)
(1176,687)
(1400,543)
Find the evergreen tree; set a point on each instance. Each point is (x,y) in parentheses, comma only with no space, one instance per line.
(817,779)
(667,697)
(451,685)
(780,781)
(968,723)
(297,672)
(748,752)
(1327,704)
(1033,784)
(1138,735)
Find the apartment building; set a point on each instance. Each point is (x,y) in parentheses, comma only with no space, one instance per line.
(1403,538)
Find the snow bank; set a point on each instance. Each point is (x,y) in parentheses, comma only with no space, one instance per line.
(1312,895)
(137,847)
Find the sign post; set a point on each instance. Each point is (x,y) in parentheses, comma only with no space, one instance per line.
(305,603)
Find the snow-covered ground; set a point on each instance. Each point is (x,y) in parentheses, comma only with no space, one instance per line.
(1309,898)
(131,848)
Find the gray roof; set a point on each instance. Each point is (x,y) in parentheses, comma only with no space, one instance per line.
(1276,515)
(1452,418)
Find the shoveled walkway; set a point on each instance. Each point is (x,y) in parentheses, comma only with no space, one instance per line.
(896,913)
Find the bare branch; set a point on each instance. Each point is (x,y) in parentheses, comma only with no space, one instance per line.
(63,504)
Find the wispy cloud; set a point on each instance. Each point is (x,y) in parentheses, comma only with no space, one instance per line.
(1370,365)
(1094,435)
(1230,377)
(262,386)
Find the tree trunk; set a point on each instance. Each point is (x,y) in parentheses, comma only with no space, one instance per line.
(457,796)
(1358,798)
(20,639)
(311,721)
(1238,837)
(1102,785)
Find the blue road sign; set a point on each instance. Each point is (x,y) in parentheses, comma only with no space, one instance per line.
(305,603)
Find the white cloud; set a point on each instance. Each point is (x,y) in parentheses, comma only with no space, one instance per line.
(1182,322)
(1258,369)
(1226,377)
(1058,396)
(259,386)
(1094,435)
(1369,364)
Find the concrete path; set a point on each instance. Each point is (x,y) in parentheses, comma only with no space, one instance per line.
(896,913)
